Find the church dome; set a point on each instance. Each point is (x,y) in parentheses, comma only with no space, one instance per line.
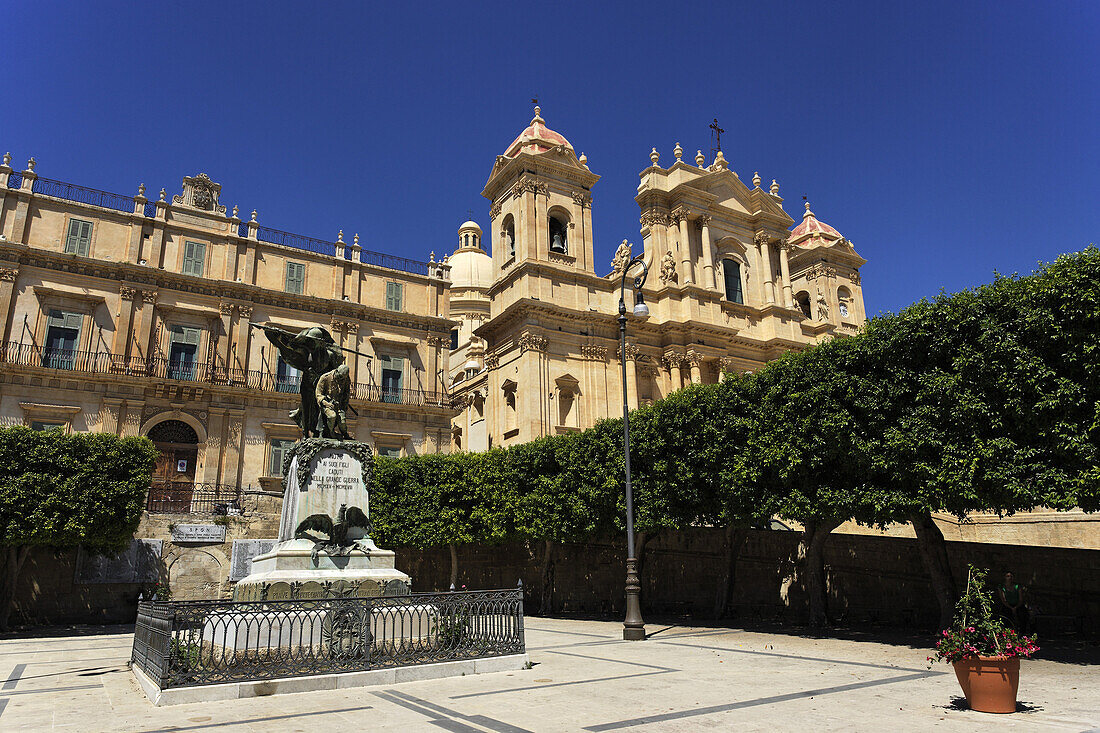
(537,138)
(811,227)
(471,267)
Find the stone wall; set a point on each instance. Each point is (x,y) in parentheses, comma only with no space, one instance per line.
(872,580)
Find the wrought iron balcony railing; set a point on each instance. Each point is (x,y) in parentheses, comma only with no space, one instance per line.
(184,497)
(104,363)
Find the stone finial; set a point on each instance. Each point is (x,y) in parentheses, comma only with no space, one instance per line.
(340,237)
(756,179)
(236,210)
(699,158)
(654,156)
(163,194)
(141,189)
(253,215)
(806,205)
(774,188)
(431,257)
(678,151)
(31,164)
(583,159)
(355,240)
(538,115)
(720,161)
(7,158)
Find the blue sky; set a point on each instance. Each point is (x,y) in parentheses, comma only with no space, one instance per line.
(946,140)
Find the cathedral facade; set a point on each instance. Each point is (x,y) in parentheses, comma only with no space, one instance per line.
(732,284)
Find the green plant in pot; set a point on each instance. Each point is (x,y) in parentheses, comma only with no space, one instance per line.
(984,651)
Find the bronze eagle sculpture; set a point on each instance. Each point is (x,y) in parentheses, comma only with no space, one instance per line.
(336,540)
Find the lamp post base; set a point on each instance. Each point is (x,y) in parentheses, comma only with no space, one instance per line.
(633,626)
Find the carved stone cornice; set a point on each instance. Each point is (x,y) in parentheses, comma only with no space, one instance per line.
(594,352)
(127,293)
(694,357)
(651,218)
(9,274)
(632,352)
(854,277)
(226,309)
(761,238)
(582,199)
(492,361)
(678,214)
(532,342)
(529,184)
(244,310)
(149,296)
(433,341)
(702,221)
(821,269)
(672,359)
(494,210)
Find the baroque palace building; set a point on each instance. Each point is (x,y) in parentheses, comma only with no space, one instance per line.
(132,316)
(731,286)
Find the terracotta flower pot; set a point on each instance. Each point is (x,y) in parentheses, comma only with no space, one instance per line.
(989,683)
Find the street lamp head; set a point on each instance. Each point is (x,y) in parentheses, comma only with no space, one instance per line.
(641,310)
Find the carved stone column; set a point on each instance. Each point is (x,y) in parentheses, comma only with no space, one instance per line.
(109,413)
(8,276)
(685,247)
(244,338)
(725,366)
(710,274)
(233,448)
(672,362)
(145,323)
(762,241)
(785,272)
(695,359)
(225,338)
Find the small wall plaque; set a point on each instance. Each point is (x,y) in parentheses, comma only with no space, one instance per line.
(198,533)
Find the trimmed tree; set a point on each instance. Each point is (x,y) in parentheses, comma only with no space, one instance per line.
(61,491)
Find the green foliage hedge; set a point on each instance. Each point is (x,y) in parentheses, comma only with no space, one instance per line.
(63,490)
(985,400)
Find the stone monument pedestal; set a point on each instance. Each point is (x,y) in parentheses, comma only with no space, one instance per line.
(319,477)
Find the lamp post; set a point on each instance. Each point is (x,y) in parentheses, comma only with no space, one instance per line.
(633,626)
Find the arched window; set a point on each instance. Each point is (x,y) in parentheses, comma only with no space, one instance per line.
(844,301)
(508,236)
(802,302)
(558,236)
(731,269)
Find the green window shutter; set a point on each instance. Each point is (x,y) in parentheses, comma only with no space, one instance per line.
(62,319)
(185,335)
(79,238)
(393,296)
(194,258)
(295,277)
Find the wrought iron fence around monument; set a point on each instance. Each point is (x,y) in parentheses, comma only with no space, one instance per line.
(189,643)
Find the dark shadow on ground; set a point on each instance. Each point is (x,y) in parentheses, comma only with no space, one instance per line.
(49,632)
(959,703)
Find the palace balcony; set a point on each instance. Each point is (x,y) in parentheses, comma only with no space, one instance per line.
(105,364)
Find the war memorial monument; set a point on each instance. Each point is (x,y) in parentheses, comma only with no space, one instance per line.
(325,607)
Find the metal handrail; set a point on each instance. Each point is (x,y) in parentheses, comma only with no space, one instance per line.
(193,497)
(83,195)
(106,363)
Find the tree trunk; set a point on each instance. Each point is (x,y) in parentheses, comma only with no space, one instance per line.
(547,579)
(736,534)
(812,551)
(933,551)
(13,563)
(454,566)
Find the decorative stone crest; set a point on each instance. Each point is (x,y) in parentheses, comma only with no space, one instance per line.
(668,268)
(821,269)
(582,199)
(199,192)
(622,258)
(532,342)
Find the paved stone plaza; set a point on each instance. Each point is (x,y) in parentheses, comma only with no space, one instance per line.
(584,679)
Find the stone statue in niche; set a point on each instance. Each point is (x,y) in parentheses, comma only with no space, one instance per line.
(822,307)
(668,268)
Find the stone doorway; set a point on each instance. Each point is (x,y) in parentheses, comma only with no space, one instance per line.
(195,575)
(174,471)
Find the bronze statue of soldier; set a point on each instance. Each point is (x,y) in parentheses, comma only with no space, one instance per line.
(314,353)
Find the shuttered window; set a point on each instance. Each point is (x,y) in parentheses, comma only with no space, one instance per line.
(194,257)
(393,371)
(62,337)
(181,352)
(394,293)
(295,277)
(279,447)
(79,240)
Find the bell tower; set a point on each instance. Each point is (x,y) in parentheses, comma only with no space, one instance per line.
(541,209)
